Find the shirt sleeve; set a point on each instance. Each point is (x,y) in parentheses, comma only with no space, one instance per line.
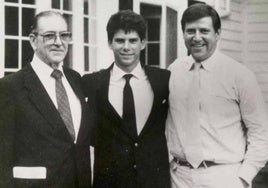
(254,116)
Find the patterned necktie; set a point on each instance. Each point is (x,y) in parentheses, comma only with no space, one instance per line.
(63,103)
(193,149)
(129,117)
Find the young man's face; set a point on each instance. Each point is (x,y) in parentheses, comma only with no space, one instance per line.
(127,48)
(200,38)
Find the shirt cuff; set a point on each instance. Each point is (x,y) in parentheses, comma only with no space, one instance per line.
(247,173)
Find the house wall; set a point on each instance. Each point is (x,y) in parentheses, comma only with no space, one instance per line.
(256,50)
(104,10)
(245,37)
(256,55)
(232,32)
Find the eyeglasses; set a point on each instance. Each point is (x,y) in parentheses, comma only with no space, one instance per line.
(51,37)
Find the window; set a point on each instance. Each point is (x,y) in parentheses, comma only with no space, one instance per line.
(125,4)
(171,36)
(90,31)
(152,15)
(66,8)
(191,2)
(18,18)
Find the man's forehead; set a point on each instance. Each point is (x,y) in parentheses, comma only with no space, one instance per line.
(131,33)
(204,20)
(52,22)
(51,16)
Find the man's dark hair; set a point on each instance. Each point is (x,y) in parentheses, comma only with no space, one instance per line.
(198,11)
(48,13)
(128,21)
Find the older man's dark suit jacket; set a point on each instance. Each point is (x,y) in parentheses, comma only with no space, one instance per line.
(32,134)
(121,160)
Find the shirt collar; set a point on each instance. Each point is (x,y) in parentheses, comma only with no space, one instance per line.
(190,63)
(207,64)
(211,62)
(117,73)
(41,68)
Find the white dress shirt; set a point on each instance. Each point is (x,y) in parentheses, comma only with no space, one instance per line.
(230,95)
(142,93)
(43,72)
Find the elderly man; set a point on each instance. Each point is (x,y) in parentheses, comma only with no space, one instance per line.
(43,127)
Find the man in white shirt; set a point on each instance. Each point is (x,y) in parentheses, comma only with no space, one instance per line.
(44,130)
(130,102)
(217,123)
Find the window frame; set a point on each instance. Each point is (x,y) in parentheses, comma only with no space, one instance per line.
(19,37)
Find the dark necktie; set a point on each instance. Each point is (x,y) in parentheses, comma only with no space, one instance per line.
(129,117)
(63,103)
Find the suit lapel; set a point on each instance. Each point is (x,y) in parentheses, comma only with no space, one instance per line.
(75,84)
(85,115)
(153,79)
(103,94)
(41,100)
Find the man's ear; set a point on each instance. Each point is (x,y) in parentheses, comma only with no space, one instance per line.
(32,39)
(218,34)
(110,44)
(143,44)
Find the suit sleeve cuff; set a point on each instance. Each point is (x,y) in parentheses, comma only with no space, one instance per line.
(247,173)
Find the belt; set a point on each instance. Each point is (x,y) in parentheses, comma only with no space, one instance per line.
(204,164)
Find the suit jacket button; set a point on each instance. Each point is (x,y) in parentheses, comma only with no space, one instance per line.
(134,166)
(136,144)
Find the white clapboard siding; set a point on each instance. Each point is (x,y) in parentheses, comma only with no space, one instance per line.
(238,56)
(258,37)
(261,27)
(257,7)
(232,25)
(232,45)
(257,2)
(258,46)
(257,41)
(245,37)
(226,34)
(231,42)
(257,56)
(257,17)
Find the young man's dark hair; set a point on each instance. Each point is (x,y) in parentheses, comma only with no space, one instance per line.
(198,11)
(126,20)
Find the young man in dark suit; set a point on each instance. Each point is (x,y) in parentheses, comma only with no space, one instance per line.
(130,107)
(43,128)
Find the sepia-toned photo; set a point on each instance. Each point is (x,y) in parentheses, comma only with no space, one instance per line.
(134,93)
